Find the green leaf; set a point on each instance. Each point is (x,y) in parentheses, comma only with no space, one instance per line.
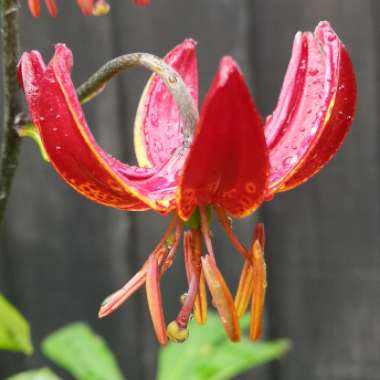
(209,355)
(38,374)
(14,329)
(80,351)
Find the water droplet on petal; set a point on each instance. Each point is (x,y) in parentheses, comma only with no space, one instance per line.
(172,79)
(288,161)
(313,72)
(331,37)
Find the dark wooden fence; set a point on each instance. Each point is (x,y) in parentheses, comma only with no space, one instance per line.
(60,254)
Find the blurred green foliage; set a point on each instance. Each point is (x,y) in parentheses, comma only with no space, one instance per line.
(80,351)
(38,374)
(14,329)
(206,355)
(209,355)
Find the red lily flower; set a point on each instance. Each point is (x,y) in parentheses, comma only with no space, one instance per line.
(88,7)
(235,161)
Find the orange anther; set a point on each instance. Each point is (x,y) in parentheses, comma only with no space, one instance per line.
(222,298)
(153,294)
(245,288)
(258,294)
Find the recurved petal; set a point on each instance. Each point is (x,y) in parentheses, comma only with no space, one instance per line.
(314,111)
(72,149)
(158,128)
(228,163)
(30,70)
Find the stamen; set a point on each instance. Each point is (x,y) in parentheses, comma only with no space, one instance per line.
(223,220)
(206,232)
(245,288)
(166,263)
(153,294)
(222,298)
(193,253)
(173,223)
(259,288)
(115,300)
(187,307)
(112,302)
(200,305)
(176,333)
(246,282)
(259,234)
(177,330)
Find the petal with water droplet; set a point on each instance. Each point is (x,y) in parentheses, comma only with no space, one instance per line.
(227,164)
(158,129)
(73,150)
(314,110)
(338,120)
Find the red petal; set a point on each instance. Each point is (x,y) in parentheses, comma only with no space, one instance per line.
(227,164)
(86,6)
(158,129)
(30,70)
(52,7)
(34,7)
(314,111)
(74,152)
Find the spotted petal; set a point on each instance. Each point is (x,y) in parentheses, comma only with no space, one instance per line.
(227,164)
(314,111)
(72,149)
(158,130)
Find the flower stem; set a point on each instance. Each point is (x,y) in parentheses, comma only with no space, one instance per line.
(169,76)
(10,144)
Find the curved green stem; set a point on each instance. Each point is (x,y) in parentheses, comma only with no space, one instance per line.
(10,143)
(170,77)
